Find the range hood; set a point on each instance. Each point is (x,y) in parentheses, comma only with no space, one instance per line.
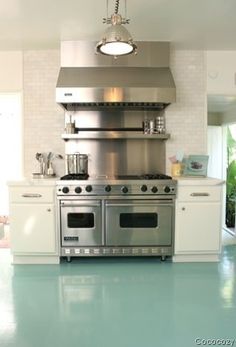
(88,81)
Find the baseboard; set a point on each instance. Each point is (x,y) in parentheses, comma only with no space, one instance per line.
(188,258)
(43,260)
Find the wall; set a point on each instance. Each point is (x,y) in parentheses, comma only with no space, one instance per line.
(11,71)
(43,118)
(221,72)
(186,120)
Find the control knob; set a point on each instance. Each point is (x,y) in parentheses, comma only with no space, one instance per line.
(167,189)
(65,190)
(154,189)
(107,188)
(78,190)
(88,189)
(124,189)
(144,188)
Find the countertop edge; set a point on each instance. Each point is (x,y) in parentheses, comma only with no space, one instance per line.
(33,182)
(198,181)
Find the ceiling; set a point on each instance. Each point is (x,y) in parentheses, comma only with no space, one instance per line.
(193,24)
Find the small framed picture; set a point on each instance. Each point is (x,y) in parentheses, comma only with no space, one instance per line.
(196,165)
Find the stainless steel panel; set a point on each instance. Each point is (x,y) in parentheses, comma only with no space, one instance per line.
(115,77)
(138,236)
(121,156)
(119,91)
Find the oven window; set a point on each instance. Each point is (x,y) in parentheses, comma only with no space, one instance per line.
(80,220)
(138,220)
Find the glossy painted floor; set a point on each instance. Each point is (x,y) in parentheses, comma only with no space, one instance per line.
(117,302)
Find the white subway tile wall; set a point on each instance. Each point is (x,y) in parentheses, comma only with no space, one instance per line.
(186,120)
(43,119)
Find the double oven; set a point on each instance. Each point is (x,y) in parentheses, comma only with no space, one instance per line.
(116,218)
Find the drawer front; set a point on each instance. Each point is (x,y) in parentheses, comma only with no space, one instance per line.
(199,193)
(29,194)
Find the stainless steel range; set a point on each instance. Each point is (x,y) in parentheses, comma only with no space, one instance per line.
(116,216)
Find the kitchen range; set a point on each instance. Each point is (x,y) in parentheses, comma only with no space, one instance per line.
(114,112)
(119,216)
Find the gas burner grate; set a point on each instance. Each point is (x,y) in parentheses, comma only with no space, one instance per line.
(75,177)
(157,176)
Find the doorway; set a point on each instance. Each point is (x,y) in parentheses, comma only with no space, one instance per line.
(222,151)
(10,151)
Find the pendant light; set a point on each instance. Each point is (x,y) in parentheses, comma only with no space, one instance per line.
(116,40)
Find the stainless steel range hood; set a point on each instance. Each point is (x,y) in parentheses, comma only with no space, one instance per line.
(90,81)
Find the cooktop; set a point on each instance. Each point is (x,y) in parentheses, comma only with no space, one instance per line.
(153,176)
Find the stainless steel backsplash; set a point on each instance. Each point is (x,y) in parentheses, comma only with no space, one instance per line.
(118,156)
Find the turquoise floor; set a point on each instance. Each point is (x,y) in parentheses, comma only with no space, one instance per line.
(117,302)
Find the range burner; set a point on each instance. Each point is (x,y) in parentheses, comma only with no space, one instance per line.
(157,176)
(75,177)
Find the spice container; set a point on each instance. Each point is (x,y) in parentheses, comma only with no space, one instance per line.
(70,127)
(160,125)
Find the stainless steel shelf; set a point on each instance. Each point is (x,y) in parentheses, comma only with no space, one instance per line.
(113,135)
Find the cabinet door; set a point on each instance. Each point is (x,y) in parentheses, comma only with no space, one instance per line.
(32,228)
(198,226)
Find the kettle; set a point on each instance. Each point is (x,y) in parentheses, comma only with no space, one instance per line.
(77,163)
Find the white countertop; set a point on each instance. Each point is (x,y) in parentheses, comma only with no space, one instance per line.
(33,181)
(198,181)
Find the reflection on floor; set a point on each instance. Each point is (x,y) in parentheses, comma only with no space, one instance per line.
(117,302)
(228,239)
(4,236)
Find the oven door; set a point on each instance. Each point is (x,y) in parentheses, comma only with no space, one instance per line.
(81,223)
(139,222)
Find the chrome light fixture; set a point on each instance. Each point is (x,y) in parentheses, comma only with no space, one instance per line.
(116,40)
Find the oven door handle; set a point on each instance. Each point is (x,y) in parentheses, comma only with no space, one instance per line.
(159,203)
(80,203)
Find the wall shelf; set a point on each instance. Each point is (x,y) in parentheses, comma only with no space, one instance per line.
(113,135)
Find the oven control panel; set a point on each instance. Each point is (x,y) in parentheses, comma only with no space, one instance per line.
(150,188)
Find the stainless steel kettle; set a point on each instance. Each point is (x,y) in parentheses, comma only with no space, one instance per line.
(77,163)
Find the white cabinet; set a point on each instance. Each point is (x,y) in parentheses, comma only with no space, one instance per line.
(33,226)
(198,222)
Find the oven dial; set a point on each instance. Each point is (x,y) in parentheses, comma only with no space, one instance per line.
(124,190)
(78,190)
(144,188)
(167,189)
(65,190)
(107,189)
(88,189)
(154,189)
